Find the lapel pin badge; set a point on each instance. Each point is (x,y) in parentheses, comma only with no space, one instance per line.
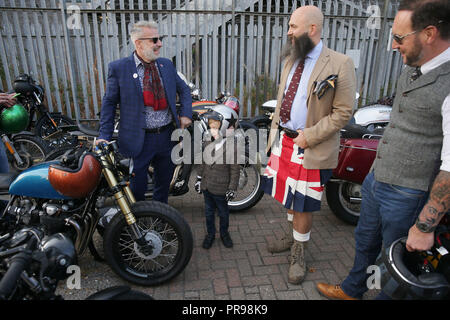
(135,75)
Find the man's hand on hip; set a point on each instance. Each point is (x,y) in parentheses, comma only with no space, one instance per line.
(185,122)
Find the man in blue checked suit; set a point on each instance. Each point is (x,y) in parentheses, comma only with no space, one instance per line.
(145,88)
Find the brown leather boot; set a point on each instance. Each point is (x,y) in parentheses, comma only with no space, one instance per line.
(283,244)
(297,267)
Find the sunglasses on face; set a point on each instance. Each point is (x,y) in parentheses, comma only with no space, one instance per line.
(399,39)
(155,39)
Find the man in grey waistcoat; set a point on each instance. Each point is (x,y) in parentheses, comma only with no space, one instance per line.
(407,192)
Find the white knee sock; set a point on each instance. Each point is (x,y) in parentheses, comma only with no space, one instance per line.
(301,237)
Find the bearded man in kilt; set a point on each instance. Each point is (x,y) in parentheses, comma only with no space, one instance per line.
(315,100)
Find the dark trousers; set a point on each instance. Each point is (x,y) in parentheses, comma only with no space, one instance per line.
(156,151)
(213,202)
(387,213)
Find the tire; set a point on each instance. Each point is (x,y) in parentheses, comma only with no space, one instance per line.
(119,293)
(44,129)
(133,295)
(338,198)
(31,149)
(161,223)
(249,191)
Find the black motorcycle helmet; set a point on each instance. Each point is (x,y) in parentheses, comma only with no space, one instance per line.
(413,275)
(25,85)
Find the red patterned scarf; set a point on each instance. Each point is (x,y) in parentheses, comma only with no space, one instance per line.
(154,95)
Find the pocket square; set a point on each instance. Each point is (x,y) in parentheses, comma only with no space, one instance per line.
(322,86)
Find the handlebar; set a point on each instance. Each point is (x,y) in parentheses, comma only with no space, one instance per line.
(85,130)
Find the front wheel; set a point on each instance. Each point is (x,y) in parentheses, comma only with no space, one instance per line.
(249,190)
(31,149)
(344,199)
(162,226)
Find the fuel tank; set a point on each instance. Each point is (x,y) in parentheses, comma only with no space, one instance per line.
(355,159)
(34,182)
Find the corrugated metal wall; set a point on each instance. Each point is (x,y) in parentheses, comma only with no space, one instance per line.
(220,45)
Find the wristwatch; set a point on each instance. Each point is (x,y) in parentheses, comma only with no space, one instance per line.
(424,227)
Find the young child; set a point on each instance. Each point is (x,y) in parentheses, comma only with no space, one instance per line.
(218,182)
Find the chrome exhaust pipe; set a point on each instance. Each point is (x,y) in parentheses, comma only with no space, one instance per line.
(174,176)
(79,238)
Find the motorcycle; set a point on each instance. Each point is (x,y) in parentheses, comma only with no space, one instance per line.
(32,264)
(52,127)
(147,243)
(358,147)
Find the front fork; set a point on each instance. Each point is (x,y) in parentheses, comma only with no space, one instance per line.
(124,198)
(9,145)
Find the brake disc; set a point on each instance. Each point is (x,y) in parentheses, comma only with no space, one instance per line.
(155,240)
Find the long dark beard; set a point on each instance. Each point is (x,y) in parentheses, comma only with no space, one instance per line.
(301,47)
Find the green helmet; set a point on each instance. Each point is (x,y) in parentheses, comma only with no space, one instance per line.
(14,119)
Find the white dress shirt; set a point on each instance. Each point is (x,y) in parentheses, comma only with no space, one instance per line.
(299,109)
(445,153)
(427,67)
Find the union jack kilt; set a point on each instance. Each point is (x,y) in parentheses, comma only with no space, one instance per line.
(286,180)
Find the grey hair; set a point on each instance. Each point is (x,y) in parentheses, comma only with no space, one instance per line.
(136,29)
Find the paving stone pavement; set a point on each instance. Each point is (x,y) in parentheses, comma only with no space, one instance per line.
(247,271)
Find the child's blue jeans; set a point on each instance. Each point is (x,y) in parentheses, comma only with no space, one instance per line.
(213,202)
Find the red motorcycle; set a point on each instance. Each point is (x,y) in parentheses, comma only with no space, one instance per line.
(358,148)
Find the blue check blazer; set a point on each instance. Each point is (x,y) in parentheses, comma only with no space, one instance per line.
(123,89)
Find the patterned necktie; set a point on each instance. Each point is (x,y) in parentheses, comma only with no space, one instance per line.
(286,104)
(416,74)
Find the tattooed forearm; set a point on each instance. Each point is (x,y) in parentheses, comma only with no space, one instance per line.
(441,190)
(439,202)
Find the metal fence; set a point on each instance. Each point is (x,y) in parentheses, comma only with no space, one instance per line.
(220,45)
